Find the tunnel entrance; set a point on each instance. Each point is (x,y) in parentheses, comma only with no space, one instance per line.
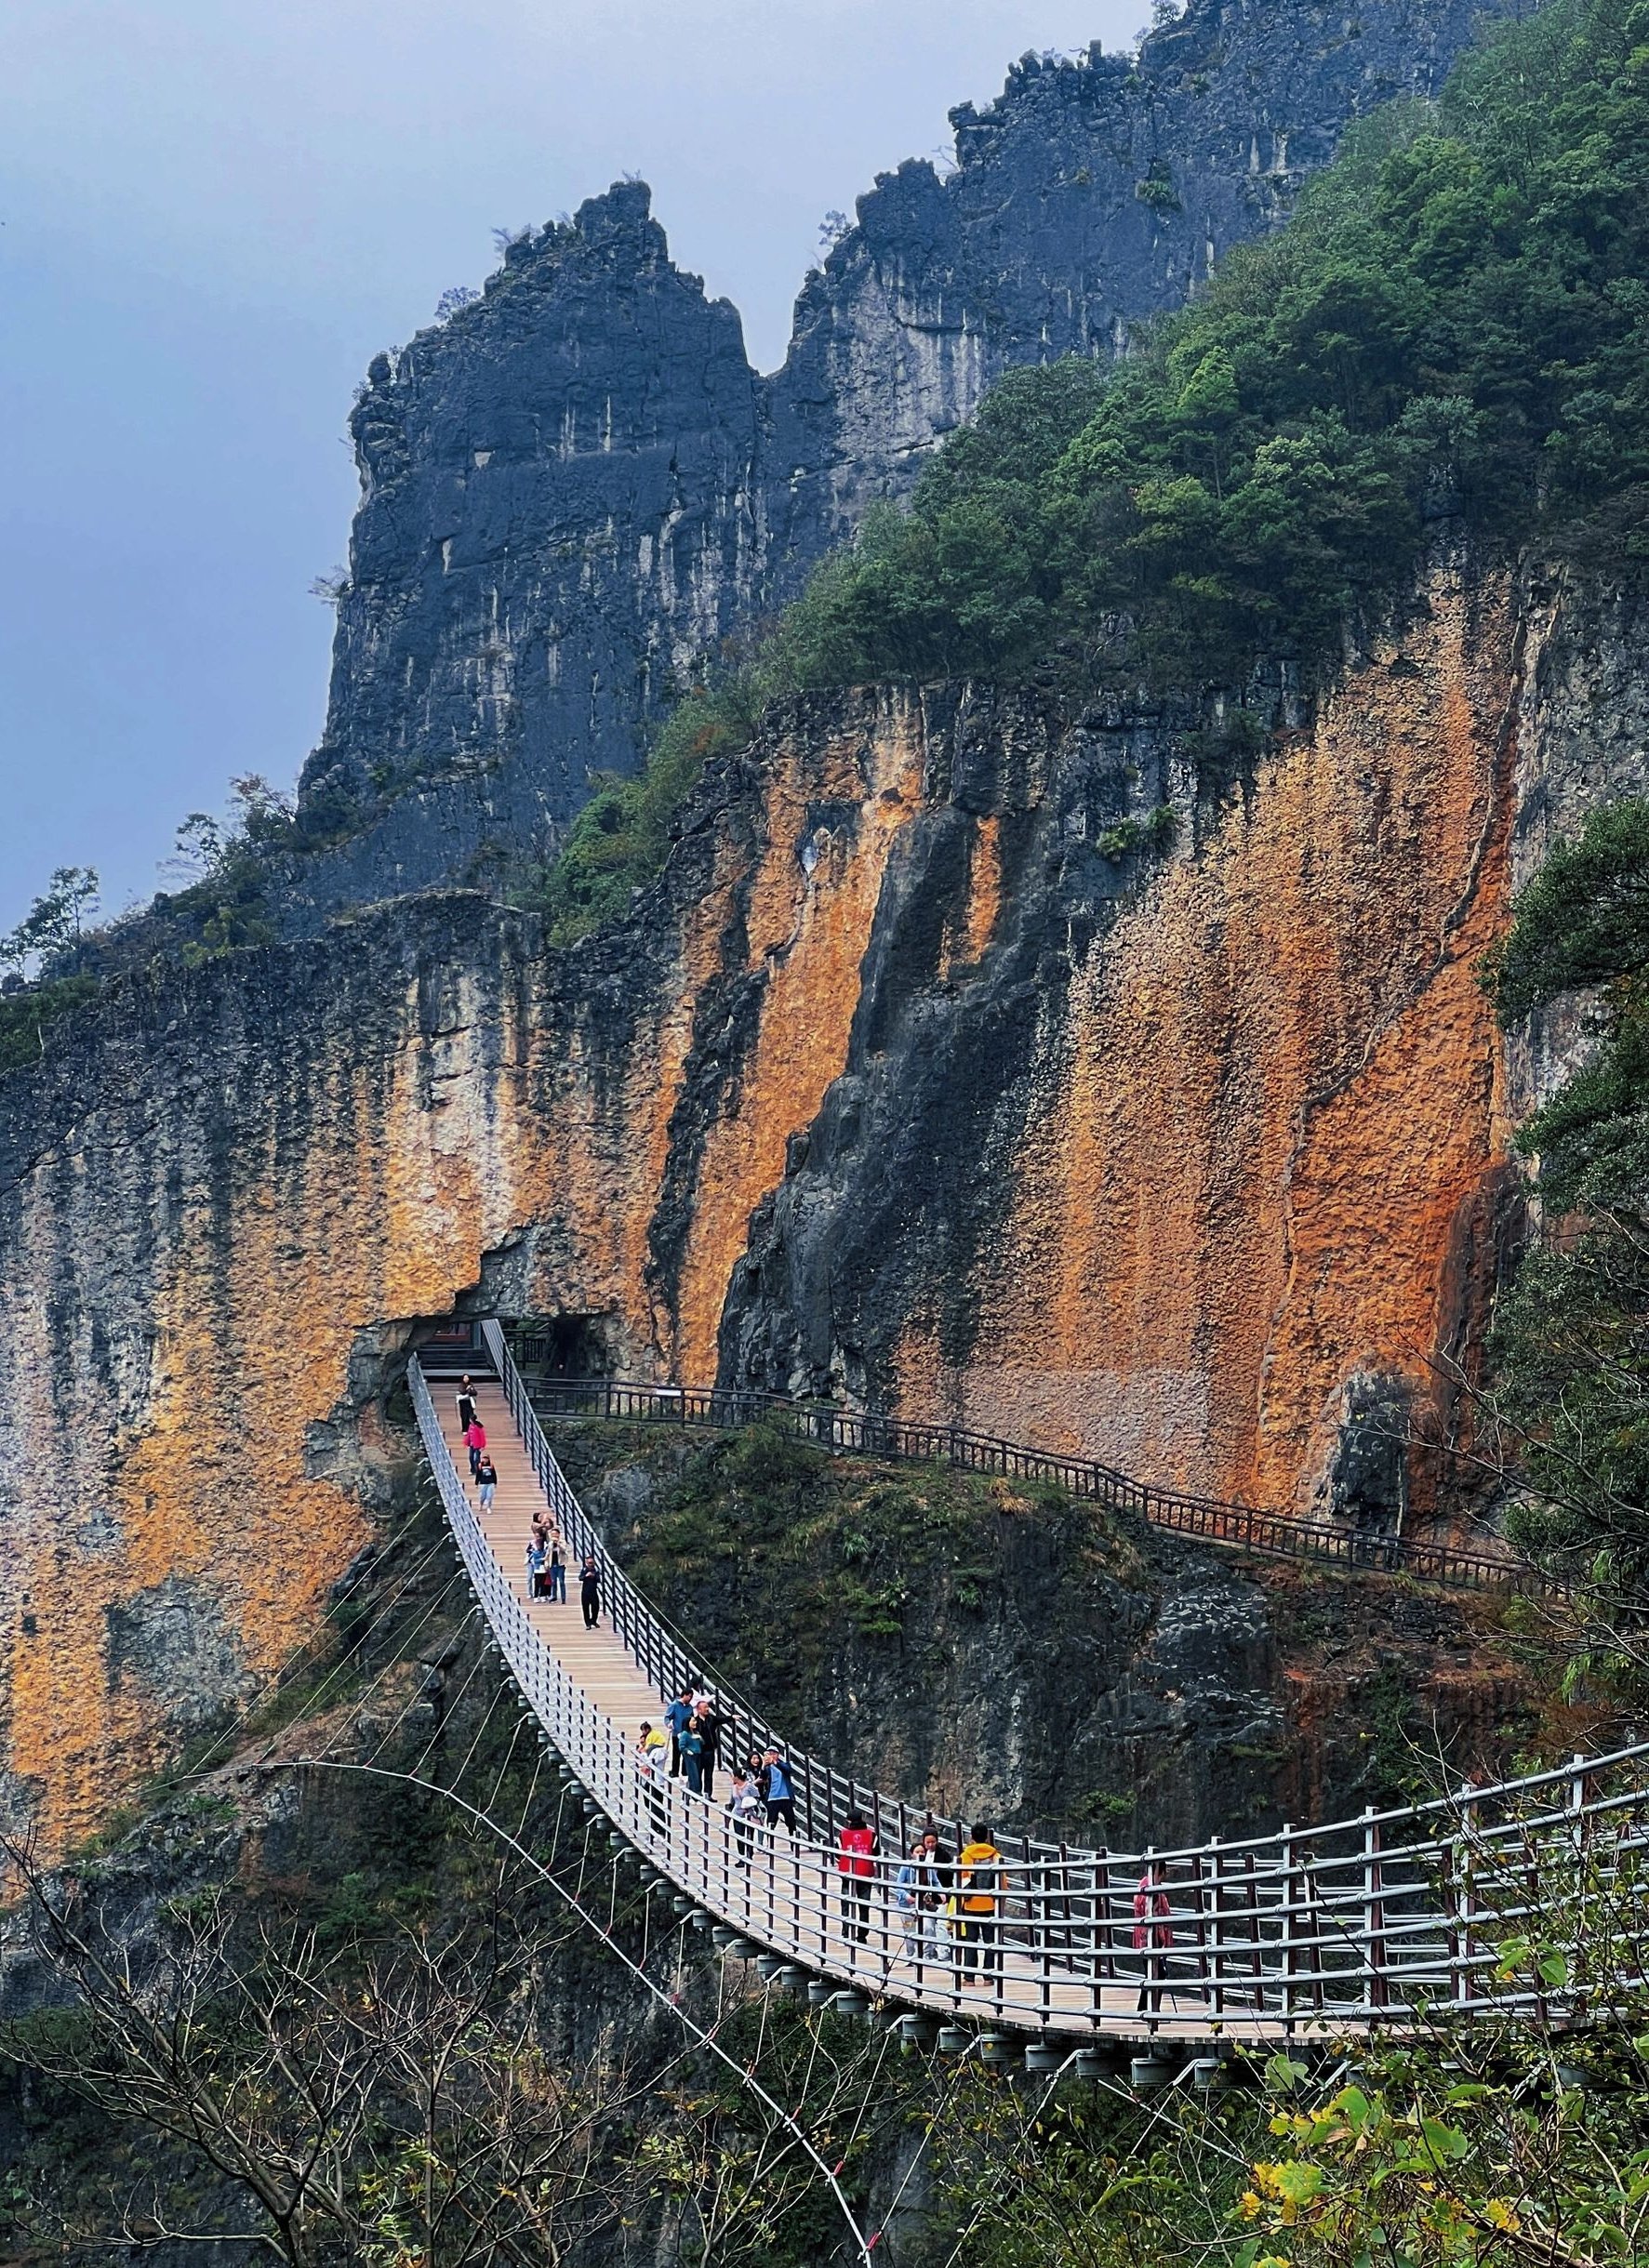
(455,1348)
(562,1346)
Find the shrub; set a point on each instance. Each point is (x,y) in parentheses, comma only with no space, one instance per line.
(622,838)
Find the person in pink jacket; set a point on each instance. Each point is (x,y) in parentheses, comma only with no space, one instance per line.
(1153,1934)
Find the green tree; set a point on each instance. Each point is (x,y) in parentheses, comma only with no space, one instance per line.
(1569,1343)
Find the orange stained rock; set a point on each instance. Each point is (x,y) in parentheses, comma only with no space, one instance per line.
(808,933)
(382,1211)
(984,886)
(971,925)
(1272,1098)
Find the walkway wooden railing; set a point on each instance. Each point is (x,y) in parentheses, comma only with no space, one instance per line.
(868,1434)
(1437,1911)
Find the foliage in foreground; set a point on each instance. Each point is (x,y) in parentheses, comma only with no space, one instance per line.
(382,2092)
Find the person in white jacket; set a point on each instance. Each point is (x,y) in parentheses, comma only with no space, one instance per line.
(919,1896)
(748,1812)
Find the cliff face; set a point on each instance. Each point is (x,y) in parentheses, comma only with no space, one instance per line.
(899,1082)
(577,487)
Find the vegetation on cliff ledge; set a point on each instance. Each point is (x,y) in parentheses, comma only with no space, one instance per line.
(1455,326)
(1457,320)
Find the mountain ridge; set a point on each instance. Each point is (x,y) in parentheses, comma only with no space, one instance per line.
(577,490)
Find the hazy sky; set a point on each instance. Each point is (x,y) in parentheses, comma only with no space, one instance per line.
(214,213)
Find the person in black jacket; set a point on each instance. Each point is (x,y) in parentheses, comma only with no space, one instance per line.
(707,1723)
(590,1593)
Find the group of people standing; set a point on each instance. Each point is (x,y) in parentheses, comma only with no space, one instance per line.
(546,1560)
(948,1905)
(688,1747)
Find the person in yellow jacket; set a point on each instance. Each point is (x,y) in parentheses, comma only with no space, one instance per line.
(980,1886)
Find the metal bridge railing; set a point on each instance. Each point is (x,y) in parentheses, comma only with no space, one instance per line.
(1377,1920)
(866,1433)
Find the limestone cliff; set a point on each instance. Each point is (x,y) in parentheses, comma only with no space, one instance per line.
(574,489)
(904,1080)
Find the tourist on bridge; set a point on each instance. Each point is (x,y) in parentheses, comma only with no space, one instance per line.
(535,1569)
(856,1863)
(707,1725)
(649,1762)
(678,1716)
(1154,1934)
(475,1441)
(465,1403)
(590,1591)
(980,1886)
(689,1741)
(487,1479)
(919,1893)
(779,1790)
(748,1811)
(557,1572)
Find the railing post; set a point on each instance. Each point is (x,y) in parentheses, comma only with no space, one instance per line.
(1466,1894)
(1374,1910)
(1286,1843)
(1578,1798)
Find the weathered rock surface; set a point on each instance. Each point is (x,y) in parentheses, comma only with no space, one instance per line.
(898,1082)
(577,487)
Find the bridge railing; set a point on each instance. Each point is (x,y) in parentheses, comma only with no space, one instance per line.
(825,1797)
(1417,1912)
(865,1433)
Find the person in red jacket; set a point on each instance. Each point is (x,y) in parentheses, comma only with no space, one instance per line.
(856,1862)
(475,1441)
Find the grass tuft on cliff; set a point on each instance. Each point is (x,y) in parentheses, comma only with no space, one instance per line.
(622,838)
(25,1017)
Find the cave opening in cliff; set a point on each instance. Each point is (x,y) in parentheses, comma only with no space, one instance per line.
(564,1345)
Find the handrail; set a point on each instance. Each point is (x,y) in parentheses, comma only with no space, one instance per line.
(1359,1922)
(1215,1520)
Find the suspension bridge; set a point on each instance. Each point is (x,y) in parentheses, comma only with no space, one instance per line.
(1435,1913)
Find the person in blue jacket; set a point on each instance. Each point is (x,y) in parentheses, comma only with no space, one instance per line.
(689,1743)
(779,1789)
(678,1716)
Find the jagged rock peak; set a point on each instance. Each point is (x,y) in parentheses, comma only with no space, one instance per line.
(576,488)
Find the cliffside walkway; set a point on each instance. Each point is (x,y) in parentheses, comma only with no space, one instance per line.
(1388,1919)
(1210,1519)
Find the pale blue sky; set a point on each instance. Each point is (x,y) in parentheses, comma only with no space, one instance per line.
(215,213)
